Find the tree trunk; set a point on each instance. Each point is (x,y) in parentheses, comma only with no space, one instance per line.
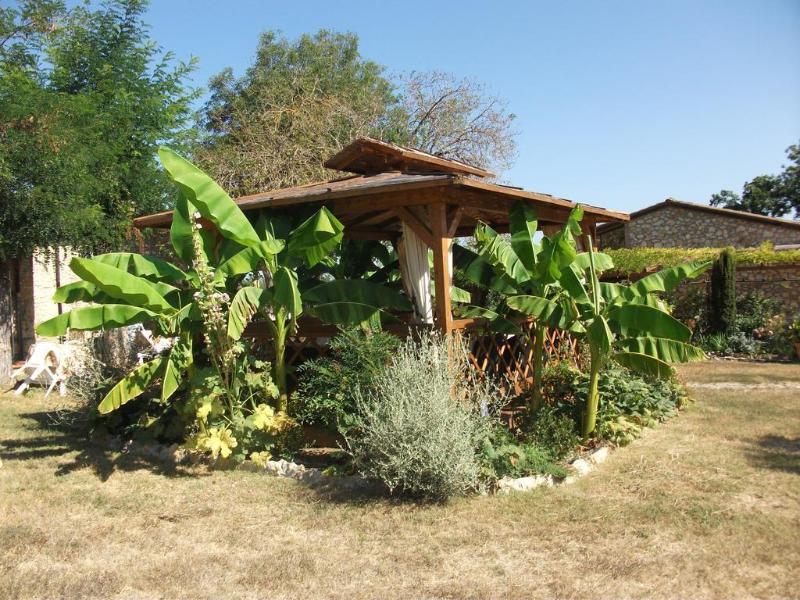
(593,399)
(280,367)
(538,368)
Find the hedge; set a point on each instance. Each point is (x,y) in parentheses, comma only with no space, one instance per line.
(630,261)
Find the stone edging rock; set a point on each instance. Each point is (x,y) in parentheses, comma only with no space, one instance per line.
(312,476)
(580,467)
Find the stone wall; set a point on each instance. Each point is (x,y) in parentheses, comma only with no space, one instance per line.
(679,226)
(49,270)
(780,282)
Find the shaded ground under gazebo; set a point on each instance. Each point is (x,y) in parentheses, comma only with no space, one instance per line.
(398,195)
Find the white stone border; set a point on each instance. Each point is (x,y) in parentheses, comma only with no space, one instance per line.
(580,466)
(313,476)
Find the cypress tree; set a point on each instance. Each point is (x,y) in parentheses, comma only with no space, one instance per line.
(722,299)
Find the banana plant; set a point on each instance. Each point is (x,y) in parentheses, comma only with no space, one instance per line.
(624,323)
(524,272)
(248,263)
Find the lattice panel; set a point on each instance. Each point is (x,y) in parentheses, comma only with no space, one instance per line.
(510,357)
(507,357)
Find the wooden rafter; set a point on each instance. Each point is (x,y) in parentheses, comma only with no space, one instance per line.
(413,221)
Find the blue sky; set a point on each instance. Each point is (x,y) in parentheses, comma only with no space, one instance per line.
(619,104)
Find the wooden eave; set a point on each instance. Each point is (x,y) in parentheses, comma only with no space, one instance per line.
(368,205)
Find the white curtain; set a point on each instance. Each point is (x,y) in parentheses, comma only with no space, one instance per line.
(415,272)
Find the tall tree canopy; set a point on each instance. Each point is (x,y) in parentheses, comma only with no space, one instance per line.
(301,101)
(772,195)
(85,98)
(295,106)
(454,118)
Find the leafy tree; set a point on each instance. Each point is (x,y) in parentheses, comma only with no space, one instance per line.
(454,118)
(627,324)
(85,98)
(298,104)
(520,269)
(302,101)
(772,195)
(24,28)
(559,287)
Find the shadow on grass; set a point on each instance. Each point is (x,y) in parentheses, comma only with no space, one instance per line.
(60,440)
(777,452)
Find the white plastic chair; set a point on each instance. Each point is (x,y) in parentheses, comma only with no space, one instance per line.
(43,365)
(154,346)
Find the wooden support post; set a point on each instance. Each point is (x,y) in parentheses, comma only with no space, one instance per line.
(441,266)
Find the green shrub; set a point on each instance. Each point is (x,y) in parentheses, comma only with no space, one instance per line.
(421,426)
(503,455)
(722,296)
(715,342)
(326,387)
(754,311)
(628,402)
(553,431)
(631,261)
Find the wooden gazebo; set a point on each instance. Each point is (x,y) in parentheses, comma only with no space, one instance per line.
(389,187)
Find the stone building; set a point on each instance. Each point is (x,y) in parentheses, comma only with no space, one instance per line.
(678,224)
(27,285)
(26,290)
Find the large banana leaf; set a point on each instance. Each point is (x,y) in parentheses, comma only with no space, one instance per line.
(180,232)
(151,268)
(209,198)
(664,349)
(602,262)
(498,252)
(644,364)
(315,238)
(285,292)
(559,251)
(121,285)
(80,291)
(611,292)
(533,306)
(347,313)
(667,279)
(638,320)
(133,384)
(244,305)
(90,318)
(570,280)
(357,291)
(248,259)
(352,302)
(523,223)
(495,321)
(479,271)
(460,295)
(599,335)
(178,361)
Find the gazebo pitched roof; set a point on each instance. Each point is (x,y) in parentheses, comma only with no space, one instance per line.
(369,204)
(367,156)
(400,189)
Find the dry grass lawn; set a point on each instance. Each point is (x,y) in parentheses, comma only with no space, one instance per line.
(705,506)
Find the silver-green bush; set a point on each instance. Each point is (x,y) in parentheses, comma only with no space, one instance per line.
(421,426)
